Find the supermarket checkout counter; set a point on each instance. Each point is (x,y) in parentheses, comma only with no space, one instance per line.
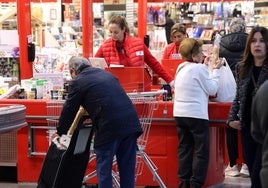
(32,143)
(33,140)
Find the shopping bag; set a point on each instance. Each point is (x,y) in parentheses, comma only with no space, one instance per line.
(227,85)
(67,158)
(65,167)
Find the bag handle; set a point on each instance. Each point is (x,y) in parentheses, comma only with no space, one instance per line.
(81,112)
(179,69)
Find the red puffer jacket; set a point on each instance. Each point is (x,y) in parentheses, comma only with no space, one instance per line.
(136,53)
(169,50)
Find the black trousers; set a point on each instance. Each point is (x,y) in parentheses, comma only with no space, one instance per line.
(252,154)
(232,144)
(193,149)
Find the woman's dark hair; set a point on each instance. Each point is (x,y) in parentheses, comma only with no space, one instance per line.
(213,36)
(248,59)
(120,21)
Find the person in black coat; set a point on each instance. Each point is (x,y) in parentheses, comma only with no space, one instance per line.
(233,44)
(114,118)
(252,73)
(232,47)
(259,127)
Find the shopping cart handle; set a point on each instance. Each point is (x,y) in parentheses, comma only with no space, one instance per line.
(147,93)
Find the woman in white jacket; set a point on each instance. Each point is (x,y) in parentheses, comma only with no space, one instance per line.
(193,86)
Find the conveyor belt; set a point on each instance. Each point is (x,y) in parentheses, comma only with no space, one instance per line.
(12,117)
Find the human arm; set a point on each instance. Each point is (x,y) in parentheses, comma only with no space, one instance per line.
(99,52)
(70,108)
(235,124)
(152,62)
(218,63)
(208,82)
(233,119)
(165,54)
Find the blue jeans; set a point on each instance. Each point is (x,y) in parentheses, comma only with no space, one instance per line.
(125,151)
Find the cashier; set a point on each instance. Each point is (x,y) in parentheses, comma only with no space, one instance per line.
(178,33)
(123,49)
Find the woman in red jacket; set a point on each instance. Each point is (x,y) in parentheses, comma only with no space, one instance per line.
(123,49)
(178,33)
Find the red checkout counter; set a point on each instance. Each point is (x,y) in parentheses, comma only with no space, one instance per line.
(32,143)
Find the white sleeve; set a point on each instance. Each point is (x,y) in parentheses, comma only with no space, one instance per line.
(208,83)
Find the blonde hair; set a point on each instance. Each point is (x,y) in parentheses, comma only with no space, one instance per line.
(189,47)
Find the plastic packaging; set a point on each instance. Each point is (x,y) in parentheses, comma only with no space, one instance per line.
(22,93)
(216,49)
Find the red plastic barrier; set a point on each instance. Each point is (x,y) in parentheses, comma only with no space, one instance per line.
(161,147)
(171,65)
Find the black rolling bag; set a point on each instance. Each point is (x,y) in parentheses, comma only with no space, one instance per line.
(65,168)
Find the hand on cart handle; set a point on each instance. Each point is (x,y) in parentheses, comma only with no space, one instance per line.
(56,140)
(55,136)
(64,140)
(172,84)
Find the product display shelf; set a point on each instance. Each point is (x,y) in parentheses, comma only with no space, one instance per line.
(261,13)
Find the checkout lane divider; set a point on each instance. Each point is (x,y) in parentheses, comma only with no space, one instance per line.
(31,127)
